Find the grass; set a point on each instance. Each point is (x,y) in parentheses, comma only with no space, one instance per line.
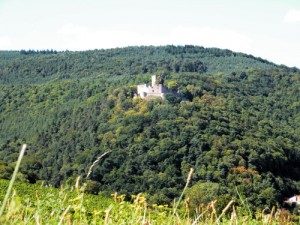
(37,204)
(13,179)
(67,206)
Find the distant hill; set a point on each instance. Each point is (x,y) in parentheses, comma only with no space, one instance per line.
(239,126)
(43,66)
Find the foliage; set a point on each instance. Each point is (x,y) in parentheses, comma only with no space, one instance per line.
(202,193)
(36,204)
(42,66)
(238,126)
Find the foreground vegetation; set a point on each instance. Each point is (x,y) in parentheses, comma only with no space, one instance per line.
(238,126)
(71,205)
(36,204)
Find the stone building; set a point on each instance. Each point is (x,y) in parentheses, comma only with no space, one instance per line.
(154,91)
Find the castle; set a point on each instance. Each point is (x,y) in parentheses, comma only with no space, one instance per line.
(154,91)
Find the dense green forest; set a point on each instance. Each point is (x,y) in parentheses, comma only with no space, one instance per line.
(236,122)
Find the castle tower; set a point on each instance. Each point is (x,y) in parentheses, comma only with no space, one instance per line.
(153,80)
(156,90)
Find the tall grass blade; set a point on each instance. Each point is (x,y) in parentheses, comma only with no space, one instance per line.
(95,162)
(12,180)
(64,214)
(244,202)
(224,210)
(186,185)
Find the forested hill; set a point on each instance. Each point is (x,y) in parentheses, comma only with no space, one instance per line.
(42,66)
(238,126)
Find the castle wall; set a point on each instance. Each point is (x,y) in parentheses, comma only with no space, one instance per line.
(142,88)
(156,90)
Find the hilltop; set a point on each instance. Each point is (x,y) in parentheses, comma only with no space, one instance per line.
(42,66)
(239,127)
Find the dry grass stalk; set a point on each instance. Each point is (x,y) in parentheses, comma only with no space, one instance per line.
(268,218)
(187,205)
(184,189)
(37,220)
(199,217)
(64,214)
(233,219)
(145,222)
(214,211)
(224,210)
(95,162)
(77,186)
(107,214)
(12,180)
(272,214)
(116,197)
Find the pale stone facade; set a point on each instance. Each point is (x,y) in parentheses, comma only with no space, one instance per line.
(153,91)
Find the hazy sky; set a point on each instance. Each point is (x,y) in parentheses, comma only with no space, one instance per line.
(266,28)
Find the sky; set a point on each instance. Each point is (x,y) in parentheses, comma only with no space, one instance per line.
(269,29)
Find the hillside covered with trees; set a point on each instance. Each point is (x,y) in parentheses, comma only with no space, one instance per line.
(236,122)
